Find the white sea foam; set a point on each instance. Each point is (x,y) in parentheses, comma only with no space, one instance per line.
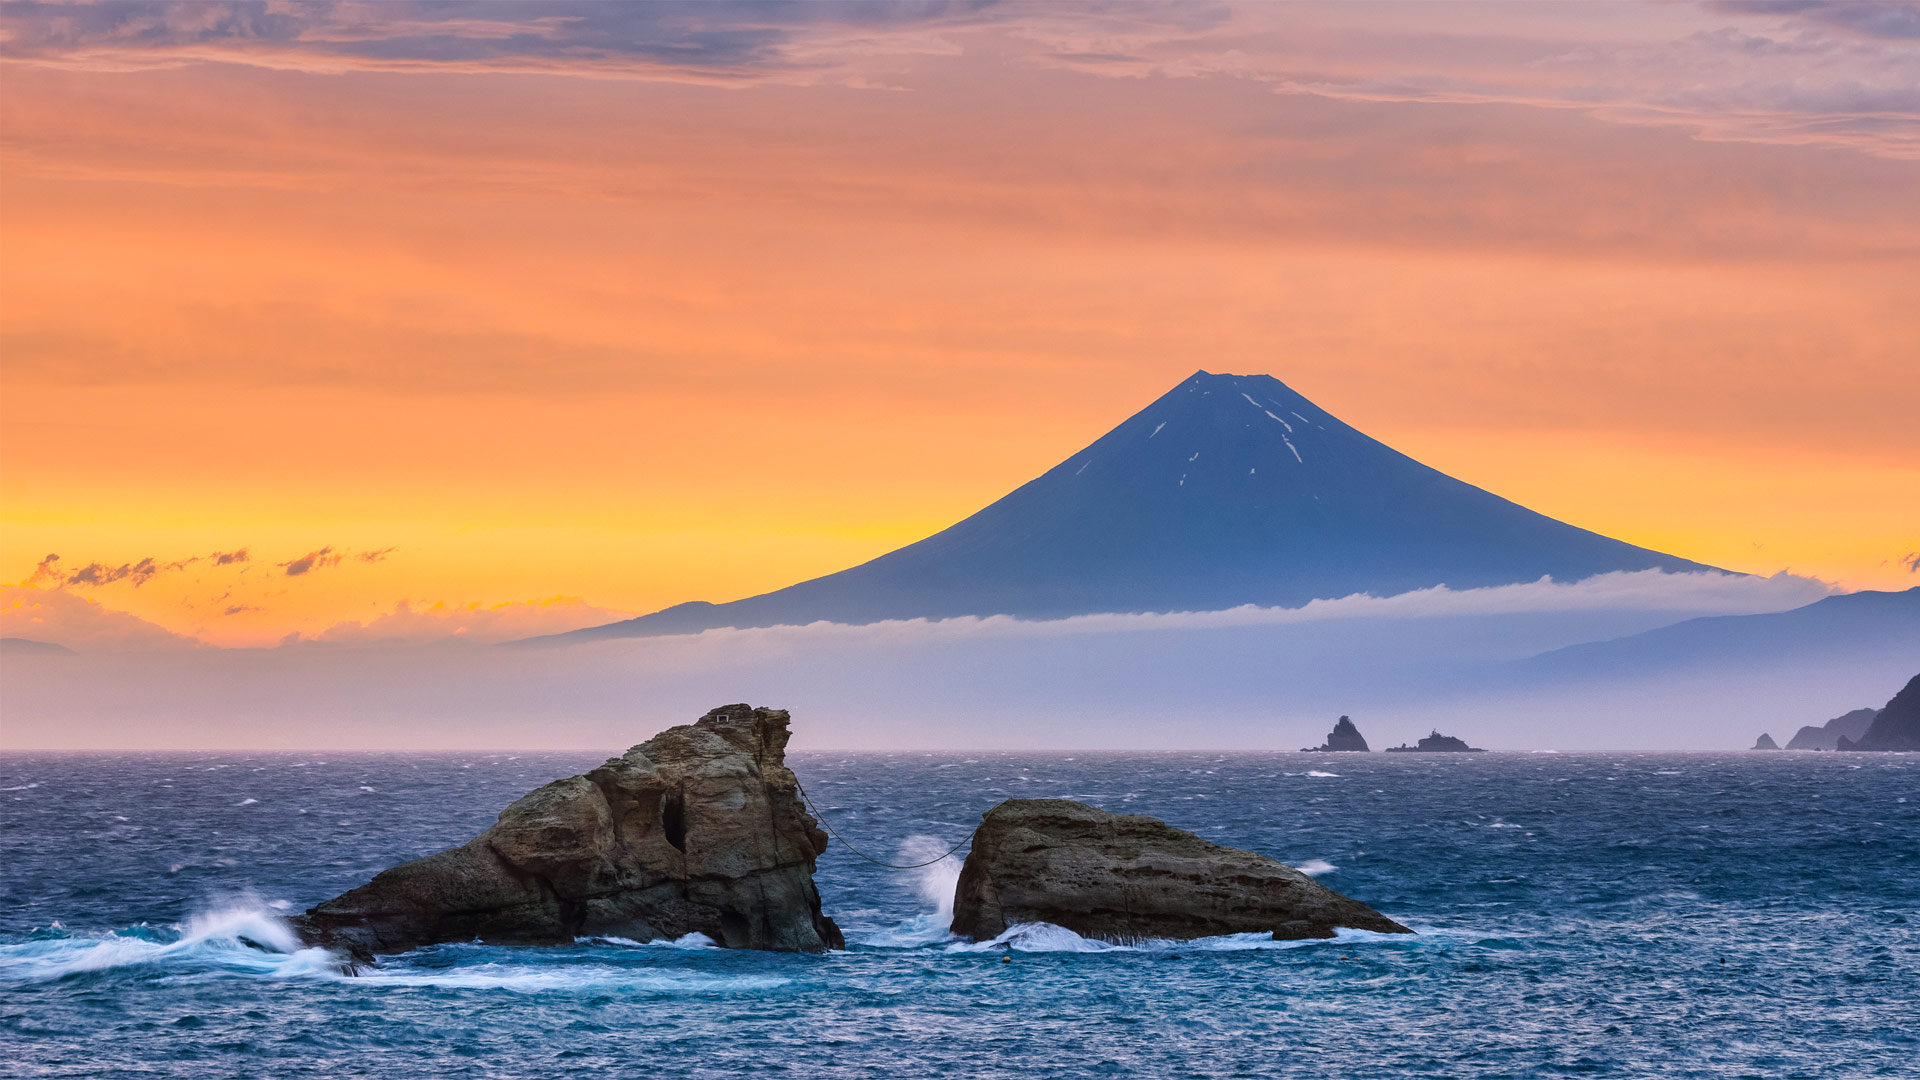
(244,938)
(1316,867)
(1041,937)
(241,937)
(919,931)
(695,940)
(246,802)
(598,978)
(1317,772)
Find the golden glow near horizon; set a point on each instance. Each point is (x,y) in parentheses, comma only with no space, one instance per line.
(565,334)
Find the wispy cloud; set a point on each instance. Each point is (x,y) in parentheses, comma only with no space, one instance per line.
(311,561)
(1838,73)
(721,41)
(330,555)
(49,571)
(1704,592)
(412,624)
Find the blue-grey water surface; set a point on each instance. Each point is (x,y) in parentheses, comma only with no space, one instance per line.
(1596,915)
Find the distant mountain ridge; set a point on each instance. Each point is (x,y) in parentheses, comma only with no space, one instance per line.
(1852,627)
(1827,736)
(1227,490)
(29,645)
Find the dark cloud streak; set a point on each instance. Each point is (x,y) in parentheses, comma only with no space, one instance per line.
(1881,19)
(312,560)
(725,38)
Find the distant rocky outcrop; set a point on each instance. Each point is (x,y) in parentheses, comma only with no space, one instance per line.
(1343,738)
(1898,725)
(1437,743)
(699,829)
(1124,878)
(1827,736)
(1765,742)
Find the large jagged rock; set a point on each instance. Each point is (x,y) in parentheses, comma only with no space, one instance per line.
(1897,727)
(1765,742)
(1124,878)
(1343,738)
(699,829)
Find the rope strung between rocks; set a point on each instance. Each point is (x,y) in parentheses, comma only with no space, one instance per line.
(891,866)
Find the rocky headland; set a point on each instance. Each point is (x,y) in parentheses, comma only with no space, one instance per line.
(1765,742)
(1827,736)
(1344,738)
(697,830)
(1897,727)
(1126,878)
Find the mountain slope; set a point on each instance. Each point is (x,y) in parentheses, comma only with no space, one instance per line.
(1228,490)
(1856,628)
(1898,725)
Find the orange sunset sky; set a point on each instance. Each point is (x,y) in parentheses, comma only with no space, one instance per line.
(544,313)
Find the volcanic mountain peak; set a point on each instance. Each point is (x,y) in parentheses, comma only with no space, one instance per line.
(1227,490)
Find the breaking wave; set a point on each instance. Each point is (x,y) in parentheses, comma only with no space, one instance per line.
(1041,937)
(244,938)
(240,937)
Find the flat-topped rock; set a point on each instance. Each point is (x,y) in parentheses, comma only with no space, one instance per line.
(697,830)
(1437,743)
(1124,878)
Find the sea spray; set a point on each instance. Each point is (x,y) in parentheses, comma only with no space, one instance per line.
(934,883)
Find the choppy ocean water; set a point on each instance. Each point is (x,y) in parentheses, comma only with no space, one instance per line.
(1735,915)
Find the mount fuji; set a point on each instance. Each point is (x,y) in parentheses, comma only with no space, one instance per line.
(1228,490)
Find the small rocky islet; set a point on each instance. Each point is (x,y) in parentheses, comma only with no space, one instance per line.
(1344,738)
(1437,743)
(703,829)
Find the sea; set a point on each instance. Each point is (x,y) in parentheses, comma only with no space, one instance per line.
(1578,915)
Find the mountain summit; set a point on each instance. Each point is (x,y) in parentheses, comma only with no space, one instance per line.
(1228,490)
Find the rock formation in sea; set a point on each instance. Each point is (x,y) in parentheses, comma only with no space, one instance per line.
(1344,737)
(1125,878)
(1827,736)
(1437,743)
(698,829)
(1898,725)
(1765,742)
